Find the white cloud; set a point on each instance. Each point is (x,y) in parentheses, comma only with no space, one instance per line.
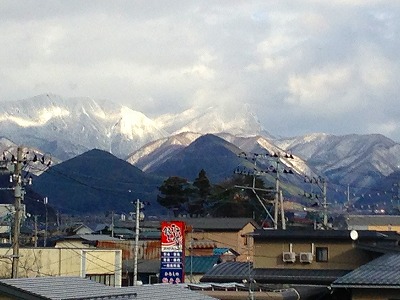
(304,66)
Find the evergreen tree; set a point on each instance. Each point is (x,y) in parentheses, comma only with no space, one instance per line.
(202,184)
(227,200)
(174,194)
(197,204)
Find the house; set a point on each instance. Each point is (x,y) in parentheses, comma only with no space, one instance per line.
(372,222)
(232,233)
(103,265)
(306,257)
(77,228)
(57,288)
(205,234)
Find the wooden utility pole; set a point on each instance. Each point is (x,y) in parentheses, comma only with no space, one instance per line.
(17,177)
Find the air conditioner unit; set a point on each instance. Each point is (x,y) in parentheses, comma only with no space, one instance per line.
(289,257)
(306,257)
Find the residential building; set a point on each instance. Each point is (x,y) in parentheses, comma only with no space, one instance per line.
(103,265)
(310,258)
(372,222)
(232,233)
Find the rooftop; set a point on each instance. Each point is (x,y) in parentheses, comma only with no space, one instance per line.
(260,234)
(372,220)
(209,224)
(76,288)
(382,272)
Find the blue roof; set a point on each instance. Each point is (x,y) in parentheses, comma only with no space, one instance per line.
(220,251)
(200,264)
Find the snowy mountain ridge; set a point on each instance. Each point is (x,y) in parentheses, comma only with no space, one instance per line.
(54,124)
(67,127)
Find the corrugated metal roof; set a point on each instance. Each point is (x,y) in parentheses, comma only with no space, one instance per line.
(228,272)
(298,276)
(382,272)
(55,288)
(238,271)
(76,288)
(166,292)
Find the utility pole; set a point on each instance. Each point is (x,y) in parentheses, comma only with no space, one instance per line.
(36,230)
(278,198)
(325,204)
(17,216)
(45,201)
(276,205)
(112,224)
(283,220)
(139,215)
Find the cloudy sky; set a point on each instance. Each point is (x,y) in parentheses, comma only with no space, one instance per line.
(302,66)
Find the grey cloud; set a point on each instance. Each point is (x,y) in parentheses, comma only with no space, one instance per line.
(303,66)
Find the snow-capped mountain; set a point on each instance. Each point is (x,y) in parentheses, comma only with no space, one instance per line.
(157,152)
(68,127)
(349,159)
(234,120)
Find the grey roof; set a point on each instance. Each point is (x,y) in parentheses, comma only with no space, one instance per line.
(372,220)
(167,291)
(55,288)
(382,272)
(262,234)
(90,237)
(209,224)
(76,288)
(222,224)
(229,272)
(298,276)
(237,271)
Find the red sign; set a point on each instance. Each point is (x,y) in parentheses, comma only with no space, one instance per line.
(173,235)
(172,252)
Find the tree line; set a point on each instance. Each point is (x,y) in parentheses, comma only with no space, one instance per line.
(202,198)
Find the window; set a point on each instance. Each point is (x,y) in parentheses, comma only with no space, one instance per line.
(106,279)
(321,254)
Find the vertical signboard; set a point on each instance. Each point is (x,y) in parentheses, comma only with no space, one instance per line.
(172,252)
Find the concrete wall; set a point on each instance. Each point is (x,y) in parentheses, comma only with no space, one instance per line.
(341,255)
(35,262)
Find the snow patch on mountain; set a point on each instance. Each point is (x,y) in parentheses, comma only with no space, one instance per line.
(233,120)
(157,152)
(51,123)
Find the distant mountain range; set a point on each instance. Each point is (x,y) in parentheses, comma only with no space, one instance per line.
(148,150)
